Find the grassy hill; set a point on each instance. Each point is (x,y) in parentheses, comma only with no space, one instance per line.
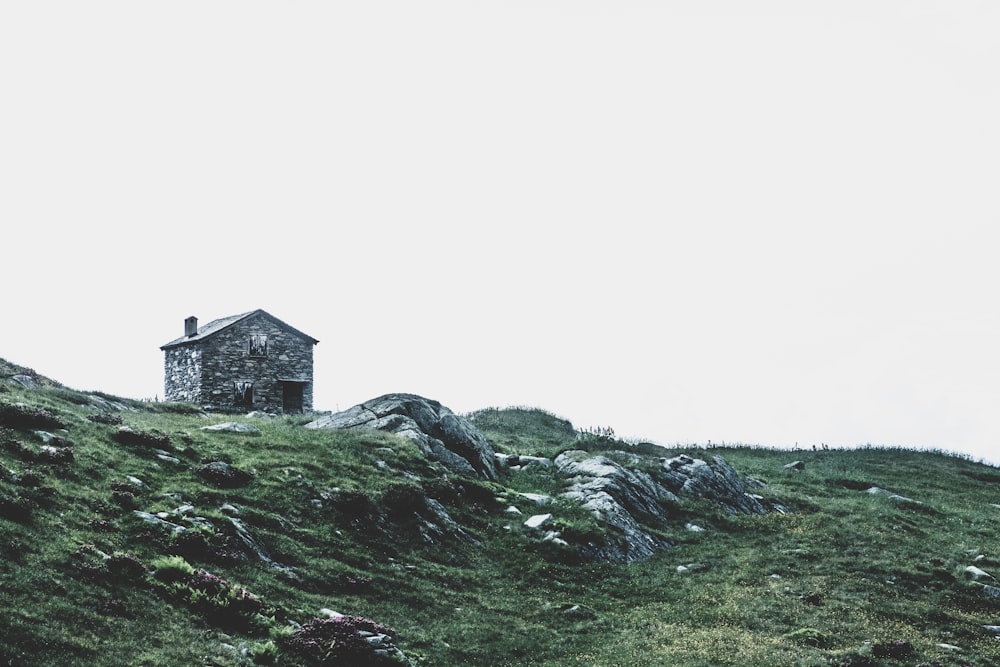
(131,536)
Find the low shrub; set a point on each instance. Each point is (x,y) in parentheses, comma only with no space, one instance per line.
(55,455)
(897,650)
(17,509)
(205,544)
(220,601)
(125,565)
(213,594)
(21,416)
(107,418)
(343,640)
(20,449)
(31,478)
(125,499)
(223,475)
(128,436)
(170,569)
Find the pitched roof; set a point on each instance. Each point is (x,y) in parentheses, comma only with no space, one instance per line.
(218,325)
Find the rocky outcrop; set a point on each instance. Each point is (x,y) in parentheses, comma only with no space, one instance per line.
(620,499)
(716,480)
(439,433)
(634,504)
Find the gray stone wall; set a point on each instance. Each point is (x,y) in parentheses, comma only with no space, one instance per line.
(182,374)
(209,376)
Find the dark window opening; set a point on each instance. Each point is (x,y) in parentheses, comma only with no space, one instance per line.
(243,394)
(258,345)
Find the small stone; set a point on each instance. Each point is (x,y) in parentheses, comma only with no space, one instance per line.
(232,427)
(537,498)
(976,574)
(991,591)
(537,521)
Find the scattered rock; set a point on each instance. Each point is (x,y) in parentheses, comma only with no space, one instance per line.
(977,574)
(538,521)
(903,500)
(795,465)
(231,510)
(537,498)
(893,497)
(154,519)
(577,611)
(521,461)
(233,427)
(991,591)
(258,549)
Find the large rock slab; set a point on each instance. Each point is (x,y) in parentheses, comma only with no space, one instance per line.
(439,433)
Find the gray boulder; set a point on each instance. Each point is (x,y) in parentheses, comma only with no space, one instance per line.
(716,480)
(25,381)
(439,433)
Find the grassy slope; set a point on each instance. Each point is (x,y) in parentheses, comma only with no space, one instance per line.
(856,570)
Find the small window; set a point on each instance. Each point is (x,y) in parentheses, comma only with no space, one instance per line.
(243,394)
(258,345)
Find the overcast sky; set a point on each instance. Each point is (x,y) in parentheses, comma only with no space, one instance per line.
(761,222)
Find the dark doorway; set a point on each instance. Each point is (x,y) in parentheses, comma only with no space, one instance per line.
(291,396)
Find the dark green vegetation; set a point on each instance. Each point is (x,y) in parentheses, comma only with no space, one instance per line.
(846,577)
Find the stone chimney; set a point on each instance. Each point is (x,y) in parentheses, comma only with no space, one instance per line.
(190,326)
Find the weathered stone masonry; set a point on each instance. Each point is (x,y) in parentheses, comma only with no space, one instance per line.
(252,361)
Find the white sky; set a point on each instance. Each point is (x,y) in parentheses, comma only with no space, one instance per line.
(767,222)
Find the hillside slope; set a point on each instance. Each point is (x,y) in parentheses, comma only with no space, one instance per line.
(132,535)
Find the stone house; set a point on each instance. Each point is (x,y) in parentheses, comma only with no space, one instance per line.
(251,361)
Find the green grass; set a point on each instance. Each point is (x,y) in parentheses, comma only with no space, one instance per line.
(843,573)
